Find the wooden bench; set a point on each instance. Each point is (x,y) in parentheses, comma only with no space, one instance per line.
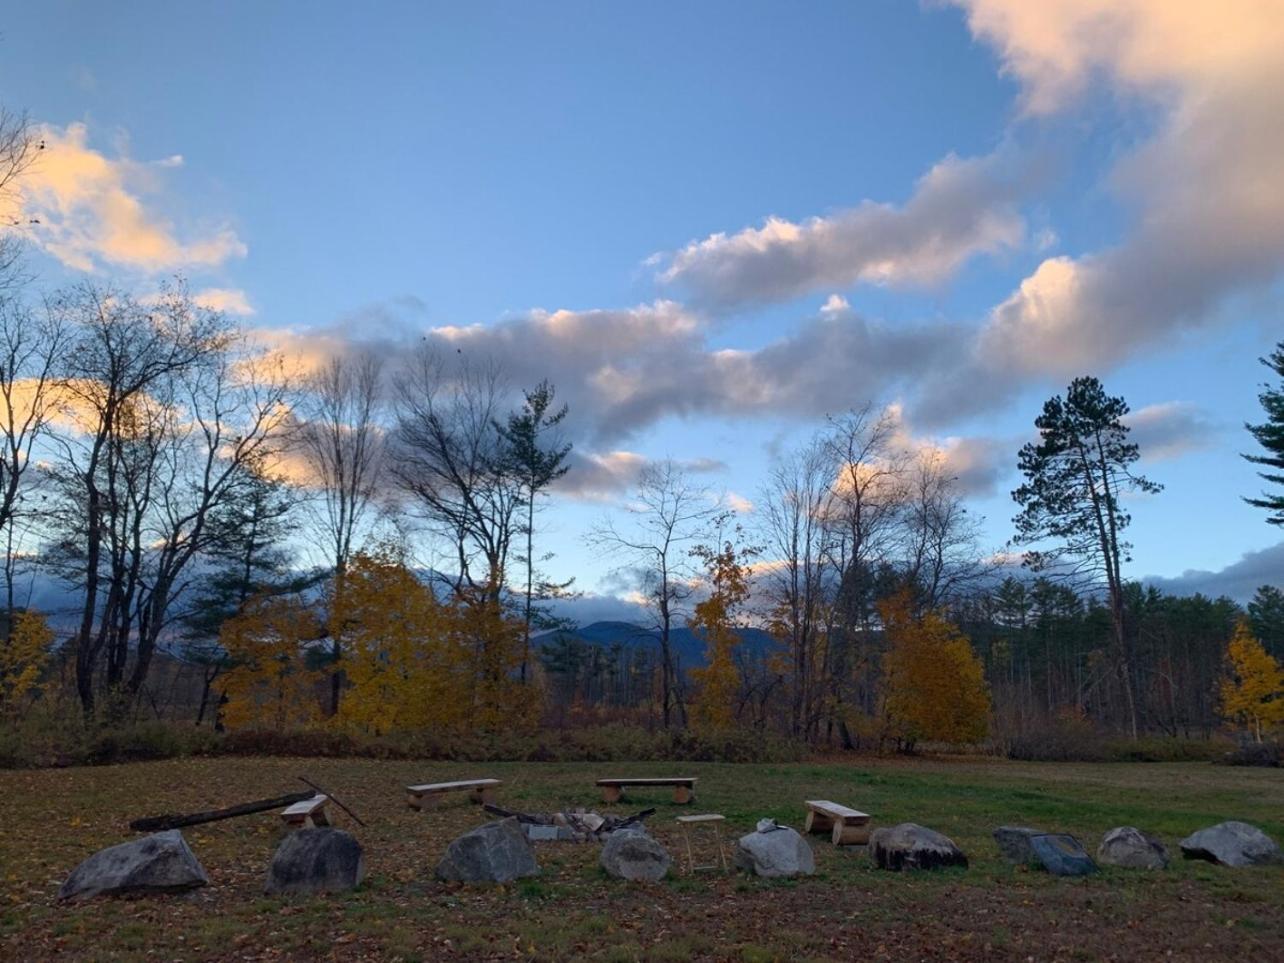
(850,827)
(683,787)
(309,812)
(479,791)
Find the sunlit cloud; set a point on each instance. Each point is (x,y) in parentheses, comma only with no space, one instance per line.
(94,211)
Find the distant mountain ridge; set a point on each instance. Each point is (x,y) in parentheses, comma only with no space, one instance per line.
(687,646)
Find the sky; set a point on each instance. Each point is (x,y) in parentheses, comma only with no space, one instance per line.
(713,224)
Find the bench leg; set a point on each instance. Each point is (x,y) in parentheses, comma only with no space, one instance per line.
(850,835)
(484,795)
(683,795)
(415,801)
(612,794)
(817,822)
(319,818)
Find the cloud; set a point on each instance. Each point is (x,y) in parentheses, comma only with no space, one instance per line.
(602,476)
(92,214)
(1239,580)
(227,300)
(738,503)
(1169,430)
(1204,192)
(960,208)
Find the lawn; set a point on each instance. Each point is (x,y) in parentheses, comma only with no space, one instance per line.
(1194,911)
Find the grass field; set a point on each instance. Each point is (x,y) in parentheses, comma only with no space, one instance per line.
(1194,911)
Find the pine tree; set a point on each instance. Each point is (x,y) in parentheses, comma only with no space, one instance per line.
(1270,435)
(1252,689)
(1075,476)
(1266,615)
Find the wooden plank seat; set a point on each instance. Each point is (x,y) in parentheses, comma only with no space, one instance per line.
(683,787)
(479,791)
(309,812)
(847,826)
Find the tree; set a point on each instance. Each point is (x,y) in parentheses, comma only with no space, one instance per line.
(270,684)
(537,465)
(1270,435)
(716,620)
(24,650)
(342,443)
(1075,474)
(20,148)
(1252,689)
(668,514)
(1266,615)
(933,685)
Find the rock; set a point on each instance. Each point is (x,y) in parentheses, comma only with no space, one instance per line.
(1129,847)
(635,856)
(497,852)
(1014,843)
(316,861)
(779,852)
(1062,855)
(911,846)
(767,826)
(160,863)
(1231,844)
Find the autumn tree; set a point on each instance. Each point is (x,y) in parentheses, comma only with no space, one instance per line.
(271,685)
(24,651)
(1071,504)
(1252,688)
(933,686)
(1270,436)
(716,620)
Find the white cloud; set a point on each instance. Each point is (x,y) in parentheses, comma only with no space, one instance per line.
(1169,430)
(92,214)
(1206,188)
(227,300)
(960,208)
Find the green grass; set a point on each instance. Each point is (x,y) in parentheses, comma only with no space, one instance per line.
(55,818)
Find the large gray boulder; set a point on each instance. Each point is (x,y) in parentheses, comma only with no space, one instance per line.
(634,856)
(1014,843)
(1129,847)
(1231,844)
(779,851)
(911,846)
(316,861)
(497,852)
(1062,855)
(160,863)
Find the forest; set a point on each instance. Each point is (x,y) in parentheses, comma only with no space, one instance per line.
(256,541)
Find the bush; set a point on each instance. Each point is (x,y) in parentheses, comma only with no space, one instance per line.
(1072,739)
(1253,754)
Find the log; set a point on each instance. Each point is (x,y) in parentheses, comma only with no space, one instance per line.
(156,824)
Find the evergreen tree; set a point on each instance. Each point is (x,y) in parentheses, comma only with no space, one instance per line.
(1075,474)
(1270,435)
(1266,615)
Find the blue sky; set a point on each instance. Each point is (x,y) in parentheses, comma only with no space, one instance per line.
(990,196)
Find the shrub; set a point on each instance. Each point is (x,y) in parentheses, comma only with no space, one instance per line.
(1253,754)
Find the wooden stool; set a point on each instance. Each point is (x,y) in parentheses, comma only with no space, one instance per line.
(714,822)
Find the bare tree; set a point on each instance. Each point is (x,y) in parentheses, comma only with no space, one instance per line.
(451,459)
(940,536)
(20,147)
(794,505)
(667,516)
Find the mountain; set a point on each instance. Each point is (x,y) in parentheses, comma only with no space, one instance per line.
(688,647)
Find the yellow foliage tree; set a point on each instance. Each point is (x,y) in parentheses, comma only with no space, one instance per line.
(23,656)
(714,619)
(933,687)
(1252,688)
(270,684)
(413,662)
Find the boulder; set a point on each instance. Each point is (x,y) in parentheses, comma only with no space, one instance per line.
(316,861)
(634,856)
(160,863)
(1014,843)
(1231,844)
(1061,855)
(779,851)
(497,852)
(1129,847)
(911,846)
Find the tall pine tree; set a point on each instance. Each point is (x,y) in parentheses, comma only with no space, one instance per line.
(1270,435)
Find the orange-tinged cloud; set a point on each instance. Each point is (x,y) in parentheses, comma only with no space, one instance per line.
(90,211)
